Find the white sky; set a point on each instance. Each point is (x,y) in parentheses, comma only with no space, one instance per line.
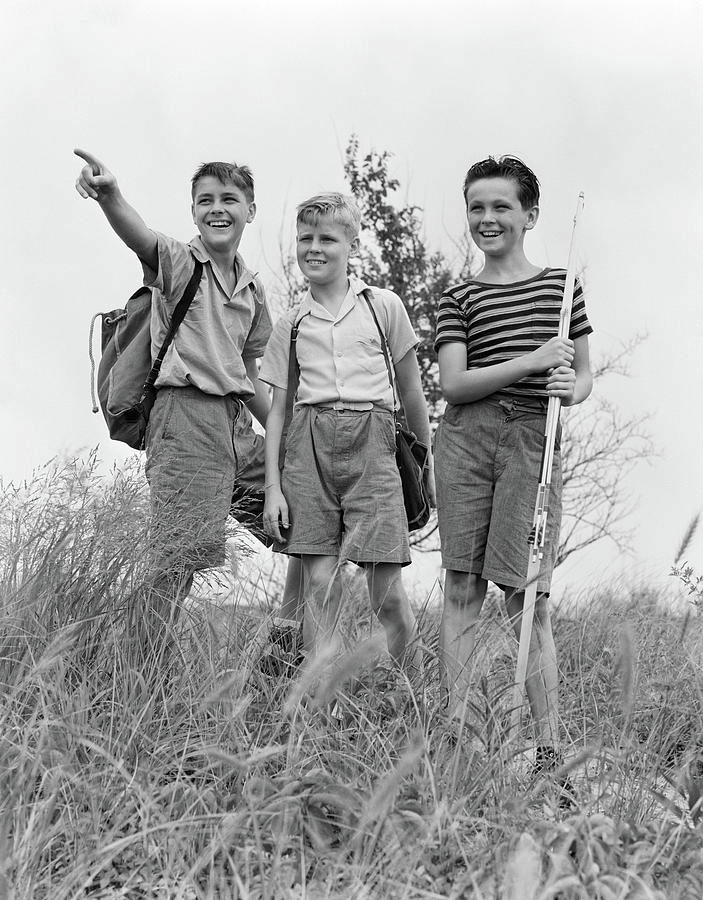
(596,96)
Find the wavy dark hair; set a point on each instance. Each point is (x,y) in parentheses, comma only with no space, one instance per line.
(239,175)
(507,167)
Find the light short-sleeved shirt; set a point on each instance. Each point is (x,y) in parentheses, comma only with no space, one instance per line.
(340,357)
(221,329)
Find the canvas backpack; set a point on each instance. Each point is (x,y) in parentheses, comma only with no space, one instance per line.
(126,374)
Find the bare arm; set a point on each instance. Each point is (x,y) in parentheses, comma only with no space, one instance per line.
(275,506)
(260,403)
(98,183)
(462,385)
(407,374)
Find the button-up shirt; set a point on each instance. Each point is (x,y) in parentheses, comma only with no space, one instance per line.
(221,329)
(340,357)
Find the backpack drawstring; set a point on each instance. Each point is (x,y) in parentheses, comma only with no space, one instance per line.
(96,408)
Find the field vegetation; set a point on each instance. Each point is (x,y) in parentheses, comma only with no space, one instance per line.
(201,775)
(204,777)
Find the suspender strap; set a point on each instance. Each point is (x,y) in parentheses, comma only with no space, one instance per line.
(176,319)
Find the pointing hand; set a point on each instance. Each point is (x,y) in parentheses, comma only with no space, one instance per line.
(95,180)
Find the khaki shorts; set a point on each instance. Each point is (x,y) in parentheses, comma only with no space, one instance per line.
(342,486)
(202,455)
(488,458)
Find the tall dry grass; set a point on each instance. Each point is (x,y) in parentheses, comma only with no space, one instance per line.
(204,778)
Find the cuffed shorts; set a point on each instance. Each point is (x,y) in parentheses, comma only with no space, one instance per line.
(341,482)
(200,451)
(488,458)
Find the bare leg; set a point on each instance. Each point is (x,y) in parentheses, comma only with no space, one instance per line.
(542,680)
(292,605)
(292,602)
(283,652)
(154,613)
(464,593)
(320,575)
(390,603)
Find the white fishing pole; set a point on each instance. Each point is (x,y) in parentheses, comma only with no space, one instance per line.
(539,522)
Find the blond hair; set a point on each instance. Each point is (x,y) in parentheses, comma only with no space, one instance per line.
(342,208)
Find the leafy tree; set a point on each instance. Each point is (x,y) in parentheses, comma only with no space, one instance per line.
(394,254)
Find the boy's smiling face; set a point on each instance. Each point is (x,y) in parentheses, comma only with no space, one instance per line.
(497,219)
(323,250)
(220,211)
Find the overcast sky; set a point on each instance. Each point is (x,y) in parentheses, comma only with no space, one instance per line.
(597,96)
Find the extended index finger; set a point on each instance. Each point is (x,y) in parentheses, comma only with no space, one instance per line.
(92,161)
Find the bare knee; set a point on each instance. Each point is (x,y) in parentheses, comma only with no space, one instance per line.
(542,616)
(464,591)
(386,590)
(319,576)
(515,602)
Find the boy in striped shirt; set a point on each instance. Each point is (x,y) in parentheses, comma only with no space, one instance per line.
(499,361)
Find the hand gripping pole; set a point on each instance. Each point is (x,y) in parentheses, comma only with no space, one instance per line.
(539,522)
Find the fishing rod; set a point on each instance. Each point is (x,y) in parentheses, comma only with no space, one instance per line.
(538,532)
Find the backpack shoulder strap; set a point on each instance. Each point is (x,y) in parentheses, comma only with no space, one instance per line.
(257,288)
(176,319)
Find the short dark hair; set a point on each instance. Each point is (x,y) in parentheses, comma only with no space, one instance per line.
(507,167)
(239,175)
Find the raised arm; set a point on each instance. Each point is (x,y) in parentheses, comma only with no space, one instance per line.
(96,182)
(462,385)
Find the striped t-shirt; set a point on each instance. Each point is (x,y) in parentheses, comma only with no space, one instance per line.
(498,322)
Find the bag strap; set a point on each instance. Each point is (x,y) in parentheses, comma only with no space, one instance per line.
(293,381)
(366,294)
(176,319)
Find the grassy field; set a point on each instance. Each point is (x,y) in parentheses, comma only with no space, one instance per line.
(206,778)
